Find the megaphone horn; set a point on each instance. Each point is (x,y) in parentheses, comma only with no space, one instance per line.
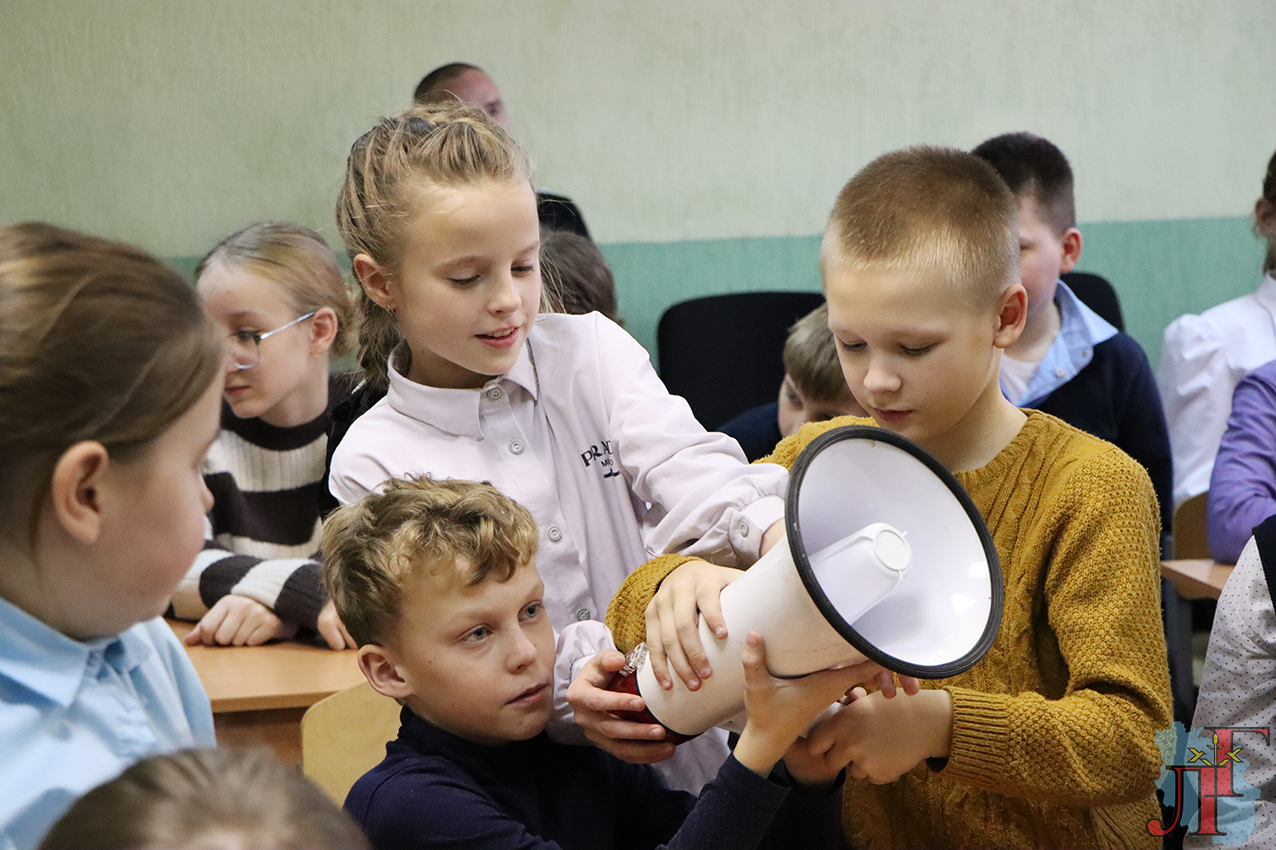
(887,559)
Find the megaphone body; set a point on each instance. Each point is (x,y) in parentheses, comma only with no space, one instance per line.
(886,559)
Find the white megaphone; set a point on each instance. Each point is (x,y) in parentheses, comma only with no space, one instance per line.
(887,559)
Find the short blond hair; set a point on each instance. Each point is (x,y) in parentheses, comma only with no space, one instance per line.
(372,547)
(938,212)
(810,358)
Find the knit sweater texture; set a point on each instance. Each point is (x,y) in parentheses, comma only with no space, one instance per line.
(1053,739)
(268,487)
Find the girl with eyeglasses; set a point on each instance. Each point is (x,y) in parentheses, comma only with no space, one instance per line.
(279,296)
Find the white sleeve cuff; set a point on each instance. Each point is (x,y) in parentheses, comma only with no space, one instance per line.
(573,647)
(751,523)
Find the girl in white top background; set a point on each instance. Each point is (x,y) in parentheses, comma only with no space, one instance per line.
(563,413)
(1204,357)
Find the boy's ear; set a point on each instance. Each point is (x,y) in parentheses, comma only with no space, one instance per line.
(75,490)
(378,667)
(1265,216)
(323,330)
(1071,249)
(1012,313)
(374,280)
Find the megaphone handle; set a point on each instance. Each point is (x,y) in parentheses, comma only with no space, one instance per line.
(626,682)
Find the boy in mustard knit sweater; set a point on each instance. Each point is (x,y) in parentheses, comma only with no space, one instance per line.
(1049,740)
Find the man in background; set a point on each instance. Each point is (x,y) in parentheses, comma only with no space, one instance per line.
(471,84)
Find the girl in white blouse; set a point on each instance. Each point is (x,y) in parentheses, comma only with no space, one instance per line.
(563,413)
(1204,357)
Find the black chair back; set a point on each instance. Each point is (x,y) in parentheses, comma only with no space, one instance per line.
(1097,294)
(724,353)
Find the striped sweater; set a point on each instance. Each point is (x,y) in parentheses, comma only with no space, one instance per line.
(263,531)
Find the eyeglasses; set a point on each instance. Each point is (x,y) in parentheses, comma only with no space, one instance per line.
(244,347)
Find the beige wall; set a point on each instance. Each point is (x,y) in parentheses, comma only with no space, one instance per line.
(171,122)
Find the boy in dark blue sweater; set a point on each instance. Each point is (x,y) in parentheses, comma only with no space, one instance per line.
(1068,361)
(437,582)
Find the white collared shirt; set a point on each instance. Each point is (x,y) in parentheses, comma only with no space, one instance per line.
(584,435)
(615,470)
(1203,358)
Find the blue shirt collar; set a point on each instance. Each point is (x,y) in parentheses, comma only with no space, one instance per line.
(53,665)
(1080,330)
(1083,326)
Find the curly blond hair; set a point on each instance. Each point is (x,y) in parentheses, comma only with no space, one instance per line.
(372,547)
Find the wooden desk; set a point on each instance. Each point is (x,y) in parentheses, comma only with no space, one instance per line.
(260,692)
(1197,578)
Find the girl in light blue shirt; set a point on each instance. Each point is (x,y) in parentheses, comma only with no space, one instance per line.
(109,398)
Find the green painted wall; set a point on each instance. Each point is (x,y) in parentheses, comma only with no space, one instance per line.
(1160,269)
(172,122)
(705,141)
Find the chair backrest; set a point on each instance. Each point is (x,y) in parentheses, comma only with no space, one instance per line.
(1191,539)
(344,736)
(723,353)
(1097,294)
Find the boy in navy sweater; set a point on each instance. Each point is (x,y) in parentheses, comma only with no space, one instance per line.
(1068,361)
(437,583)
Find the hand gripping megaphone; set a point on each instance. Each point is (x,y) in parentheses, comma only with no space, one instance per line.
(887,559)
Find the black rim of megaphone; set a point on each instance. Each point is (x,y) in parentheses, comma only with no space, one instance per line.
(868,648)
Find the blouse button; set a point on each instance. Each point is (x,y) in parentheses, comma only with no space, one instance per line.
(555,533)
(744,528)
(1059,373)
(517,447)
(495,393)
(583,614)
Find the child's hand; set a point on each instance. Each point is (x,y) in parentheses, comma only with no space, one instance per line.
(637,743)
(673,636)
(331,629)
(781,709)
(885,681)
(809,766)
(816,768)
(239,621)
(881,739)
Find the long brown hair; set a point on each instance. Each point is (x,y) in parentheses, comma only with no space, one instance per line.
(98,341)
